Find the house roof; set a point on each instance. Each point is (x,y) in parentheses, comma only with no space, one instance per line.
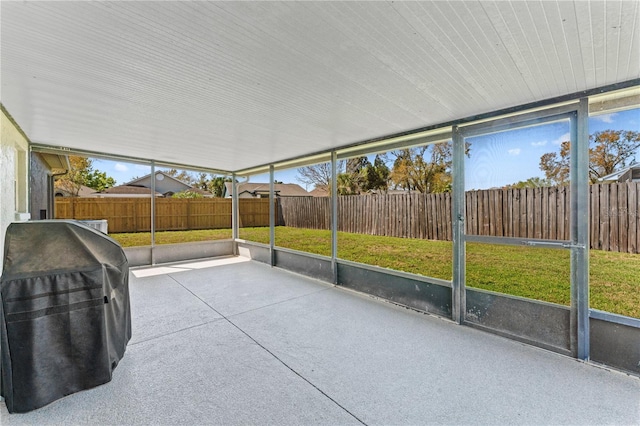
(629,173)
(264,82)
(164,175)
(281,189)
(69,190)
(319,191)
(129,190)
(138,182)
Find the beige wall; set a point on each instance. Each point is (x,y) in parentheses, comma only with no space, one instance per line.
(14,174)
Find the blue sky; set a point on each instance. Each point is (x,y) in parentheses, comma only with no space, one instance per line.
(496,160)
(508,157)
(121,171)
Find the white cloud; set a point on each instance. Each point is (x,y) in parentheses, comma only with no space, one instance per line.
(605,118)
(562,138)
(539,143)
(121,167)
(515,151)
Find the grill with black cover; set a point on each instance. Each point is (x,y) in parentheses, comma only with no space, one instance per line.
(65,311)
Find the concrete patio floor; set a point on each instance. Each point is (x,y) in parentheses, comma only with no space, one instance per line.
(231,341)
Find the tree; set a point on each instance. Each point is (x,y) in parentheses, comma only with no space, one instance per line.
(556,165)
(212,183)
(99,180)
(532,182)
(347,184)
(362,176)
(74,178)
(217,185)
(182,176)
(187,194)
(425,169)
(81,174)
(612,150)
(317,175)
(376,175)
(609,150)
(353,181)
(356,164)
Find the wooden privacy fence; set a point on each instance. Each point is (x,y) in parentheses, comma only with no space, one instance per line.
(134,214)
(172,214)
(426,216)
(540,213)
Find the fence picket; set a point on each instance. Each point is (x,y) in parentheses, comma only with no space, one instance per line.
(633,198)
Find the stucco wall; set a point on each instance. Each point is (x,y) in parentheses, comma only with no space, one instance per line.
(39,186)
(13,149)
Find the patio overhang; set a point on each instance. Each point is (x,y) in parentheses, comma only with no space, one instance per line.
(235,85)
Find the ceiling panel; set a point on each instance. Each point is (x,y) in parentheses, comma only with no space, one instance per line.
(233,85)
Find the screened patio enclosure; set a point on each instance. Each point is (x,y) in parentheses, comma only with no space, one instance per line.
(245,89)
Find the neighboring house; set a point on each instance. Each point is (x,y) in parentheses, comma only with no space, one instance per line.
(64,188)
(628,174)
(320,191)
(165,184)
(126,191)
(261,190)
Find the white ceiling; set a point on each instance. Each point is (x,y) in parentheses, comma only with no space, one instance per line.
(232,85)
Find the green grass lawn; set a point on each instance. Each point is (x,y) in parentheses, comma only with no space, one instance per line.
(135,239)
(536,273)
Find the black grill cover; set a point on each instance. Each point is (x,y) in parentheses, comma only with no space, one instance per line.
(65,313)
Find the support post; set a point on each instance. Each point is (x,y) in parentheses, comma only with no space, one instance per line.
(334,215)
(458,291)
(153,212)
(272,218)
(580,231)
(234,212)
